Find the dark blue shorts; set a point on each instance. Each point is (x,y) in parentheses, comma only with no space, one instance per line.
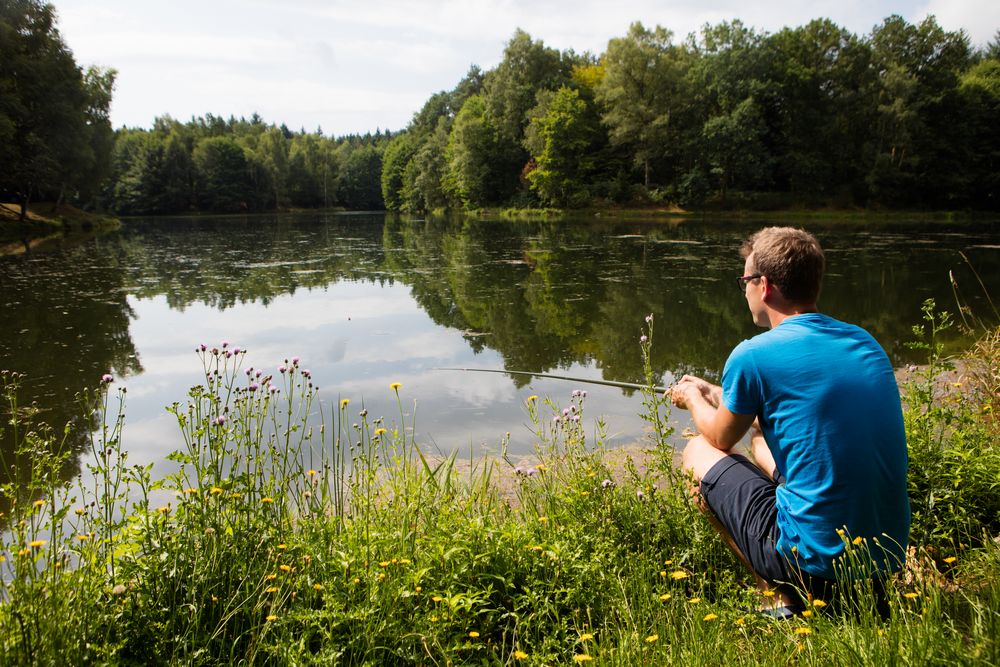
(742,497)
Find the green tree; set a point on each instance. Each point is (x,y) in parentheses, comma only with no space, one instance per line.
(398,155)
(640,92)
(735,147)
(471,172)
(561,137)
(223,178)
(272,153)
(360,186)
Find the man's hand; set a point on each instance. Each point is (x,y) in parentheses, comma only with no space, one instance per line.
(721,428)
(689,388)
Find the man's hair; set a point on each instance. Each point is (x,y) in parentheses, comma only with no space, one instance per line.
(790,258)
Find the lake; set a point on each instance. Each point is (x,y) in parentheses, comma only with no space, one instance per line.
(366,301)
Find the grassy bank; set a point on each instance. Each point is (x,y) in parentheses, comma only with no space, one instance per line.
(280,543)
(45,219)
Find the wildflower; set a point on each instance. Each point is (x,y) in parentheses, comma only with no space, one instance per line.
(271,618)
(643,339)
(418,589)
(532,399)
(379,431)
(164,510)
(404,561)
(215,599)
(39,503)
(24,552)
(119,590)
(694,600)
(271,589)
(950,559)
(282,369)
(652,638)
(677,575)
(79,511)
(818,603)
(344,402)
(710,617)
(739,621)
(640,495)
(356,581)
(318,587)
(83,538)
(583,393)
(576,393)
(807,613)
(282,546)
(381,576)
(520,655)
(663,573)
(436,598)
(236,495)
(190,490)
(769,594)
(586,637)
(107,378)
(606,483)
(582,657)
(473,634)
(220,420)
(384,563)
(857,540)
(665,597)
(254,386)
(543,519)
(306,373)
(295,361)
(202,347)
(803,631)
(267,499)
(911,595)
(434,619)
(840,532)
(311,472)
(215,490)
(237,350)
(668,562)
(395,386)
(37,543)
(285,568)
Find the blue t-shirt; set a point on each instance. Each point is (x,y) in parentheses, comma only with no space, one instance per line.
(828,404)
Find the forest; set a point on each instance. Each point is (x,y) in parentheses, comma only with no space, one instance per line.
(904,117)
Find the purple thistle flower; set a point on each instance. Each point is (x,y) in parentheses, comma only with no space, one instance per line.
(258,373)
(572,408)
(220,420)
(282,369)
(228,354)
(575,418)
(107,378)
(274,390)
(295,361)
(565,412)
(254,386)
(519,470)
(202,347)
(237,350)
(583,393)
(576,393)
(225,344)
(643,338)
(606,483)
(649,318)
(248,371)
(306,373)
(555,419)
(531,472)
(640,495)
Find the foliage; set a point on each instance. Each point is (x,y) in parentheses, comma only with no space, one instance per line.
(273,542)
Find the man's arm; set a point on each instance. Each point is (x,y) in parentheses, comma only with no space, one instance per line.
(722,428)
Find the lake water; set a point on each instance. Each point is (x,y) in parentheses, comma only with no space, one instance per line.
(367,301)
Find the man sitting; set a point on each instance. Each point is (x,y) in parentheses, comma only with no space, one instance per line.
(828,443)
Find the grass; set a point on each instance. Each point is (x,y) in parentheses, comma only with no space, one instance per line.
(277,542)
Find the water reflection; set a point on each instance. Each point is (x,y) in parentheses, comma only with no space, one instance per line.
(367,302)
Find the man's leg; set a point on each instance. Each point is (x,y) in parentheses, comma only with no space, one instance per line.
(697,459)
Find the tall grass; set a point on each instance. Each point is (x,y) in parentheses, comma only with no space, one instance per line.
(277,542)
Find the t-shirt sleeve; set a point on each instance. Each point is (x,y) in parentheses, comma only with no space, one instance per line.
(740,382)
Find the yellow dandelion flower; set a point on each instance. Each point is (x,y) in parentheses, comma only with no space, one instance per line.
(379,432)
(663,573)
(79,511)
(520,655)
(190,490)
(311,472)
(582,657)
(857,540)
(384,563)
(541,467)
(418,589)
(215,490)
(236,495)
(950,560)
(271,618)
(39,503)
(83,538)
(710,617)
(24,552)
(807,613)
(911,595)
(271,589)
(381,576)
(532,398)
(37,543)
(679,574)
(840,532)
(434,619)
(164,510)
(769,594)
(215,599)
(270,577)
(585,493)
(668,562)
(586,637)
(356,581)
(694,600)
(317,587)
(282,546)
(739,621)
(652,638)
(818,603)
(344,402)
(285,568)
(3,559)
(543,519)
(267,499)
(473,634)
(395,386)
(665,597)
(803,631)
(404,561)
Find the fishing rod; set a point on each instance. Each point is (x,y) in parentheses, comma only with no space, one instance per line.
(548,376)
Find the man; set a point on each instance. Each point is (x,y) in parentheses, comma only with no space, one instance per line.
(828,443)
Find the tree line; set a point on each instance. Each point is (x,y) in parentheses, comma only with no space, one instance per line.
(907,116)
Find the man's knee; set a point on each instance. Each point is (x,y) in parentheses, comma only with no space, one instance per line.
(699,456)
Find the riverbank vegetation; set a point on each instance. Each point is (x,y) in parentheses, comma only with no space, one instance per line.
(277,542)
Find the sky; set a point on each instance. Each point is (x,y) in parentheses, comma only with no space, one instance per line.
(356,66)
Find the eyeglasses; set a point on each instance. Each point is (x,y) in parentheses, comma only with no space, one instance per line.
(743,280)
